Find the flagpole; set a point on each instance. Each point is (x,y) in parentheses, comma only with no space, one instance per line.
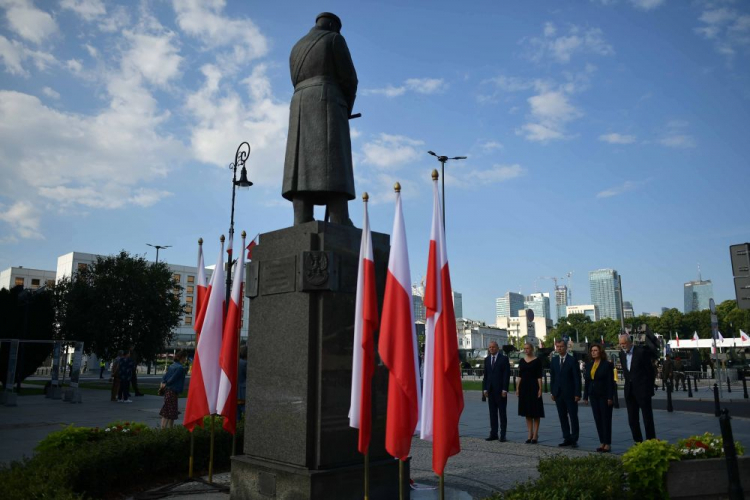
(211,453)
(400,479)
(442,486)
(367,475)
(192,455)
(239,327)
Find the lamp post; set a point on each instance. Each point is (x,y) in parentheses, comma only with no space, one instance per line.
(240,157)
(442,160)
(158,247)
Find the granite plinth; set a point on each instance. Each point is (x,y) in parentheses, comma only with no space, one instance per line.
(302,289)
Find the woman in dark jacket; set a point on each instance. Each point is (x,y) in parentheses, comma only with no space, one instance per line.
(173,382)
(599,388)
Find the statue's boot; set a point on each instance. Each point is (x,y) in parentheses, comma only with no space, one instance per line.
(338,210)
(303,210)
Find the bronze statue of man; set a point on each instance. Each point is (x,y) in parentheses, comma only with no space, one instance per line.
(318,163)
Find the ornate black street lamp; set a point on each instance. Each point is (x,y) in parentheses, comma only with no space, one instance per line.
(240,157)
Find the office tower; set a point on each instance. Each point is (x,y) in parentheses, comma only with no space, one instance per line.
(510,305)
(458,304)
(605,292)
(561,300)
(627,309)
(697,295)
(417,300)
(539,303)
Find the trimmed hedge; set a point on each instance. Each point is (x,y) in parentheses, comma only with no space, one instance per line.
(584,478)
(96,469)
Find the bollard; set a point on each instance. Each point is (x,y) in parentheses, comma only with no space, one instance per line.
(695,384)
(616,403)
(744,382)
(669,397)
(545,381)
(717,410)
(690,387)
(729,385)
(733,469)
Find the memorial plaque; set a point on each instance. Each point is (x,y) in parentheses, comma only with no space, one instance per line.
(251,280)
(278,276)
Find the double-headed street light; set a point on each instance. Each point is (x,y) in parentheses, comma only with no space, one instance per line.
(158,247)
(240,157)
(442,160)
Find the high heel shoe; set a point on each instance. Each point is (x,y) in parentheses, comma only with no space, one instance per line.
(528,441)
(533,441)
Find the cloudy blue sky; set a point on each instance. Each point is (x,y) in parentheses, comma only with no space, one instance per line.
(600,133)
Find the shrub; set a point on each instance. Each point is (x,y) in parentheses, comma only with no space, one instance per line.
(707,445)
(94,468)
(586,478)
(646,464)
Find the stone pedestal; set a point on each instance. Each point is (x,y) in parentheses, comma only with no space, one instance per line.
(298,443)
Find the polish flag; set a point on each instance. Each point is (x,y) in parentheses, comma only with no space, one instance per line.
(743,336)
(204,384)
(250,247)
(201,291)
(398,346)
(695,336)
(365,323)
(677,337)
(226,403)
(602,337)
(230,245)
(443,398)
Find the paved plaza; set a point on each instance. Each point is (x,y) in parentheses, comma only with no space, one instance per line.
(481,468)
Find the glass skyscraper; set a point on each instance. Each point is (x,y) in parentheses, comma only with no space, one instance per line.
(561,300)
(539,303)
(697,294)
(510,305)
(605,292)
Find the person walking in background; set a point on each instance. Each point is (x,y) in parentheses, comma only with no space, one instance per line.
(529,392)
(126,372)
(638,372)
(566,392)
(115,377)
(599,389)
(102,366)
(241,382)
(495,389)
(172,383)
(667,372)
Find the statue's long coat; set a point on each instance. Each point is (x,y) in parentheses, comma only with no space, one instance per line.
(318,150)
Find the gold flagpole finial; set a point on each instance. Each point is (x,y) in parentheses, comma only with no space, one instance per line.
(222,238)
(397,187)
(244,235)
(365,197)
(200,241)
(435,174)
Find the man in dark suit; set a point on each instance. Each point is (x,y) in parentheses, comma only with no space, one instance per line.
(638,372)
(566,392)
(495,389)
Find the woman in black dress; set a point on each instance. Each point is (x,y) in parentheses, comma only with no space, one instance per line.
(600,388)
(529,392)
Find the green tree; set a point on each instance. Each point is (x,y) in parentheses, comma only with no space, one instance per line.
(120,302)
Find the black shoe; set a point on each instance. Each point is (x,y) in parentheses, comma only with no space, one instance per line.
(574,445)
(528,441)
(491,438)
(533,441)
(503,440)
(565,443)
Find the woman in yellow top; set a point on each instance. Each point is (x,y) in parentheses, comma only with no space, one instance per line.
(599,387)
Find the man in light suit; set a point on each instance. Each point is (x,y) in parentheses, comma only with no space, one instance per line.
(566,392)
(638,372)
(495,389)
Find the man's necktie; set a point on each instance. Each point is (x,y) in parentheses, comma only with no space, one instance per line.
(493,361)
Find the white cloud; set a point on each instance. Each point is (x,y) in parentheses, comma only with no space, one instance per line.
(497,173)
(677,141)
(489,146)
(74,65)
(563,48)
(354,133)
(647,4)
(614,191)
(419,85)
(550,111)
(49,92)
(224,119)
(538,132)
(615,138)
(86,9)
(204,20)
(29,22)
(14,53)
(24,218)
(389,152)
(153,56)
(728,29)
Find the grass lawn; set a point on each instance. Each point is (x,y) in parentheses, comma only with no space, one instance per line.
(103,385)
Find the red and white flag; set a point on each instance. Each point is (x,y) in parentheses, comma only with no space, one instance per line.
(695,336)
(365,323)
(226,402)
(743,336)
(398,346)
(204,384)
(719,336)
(602,338)
(443,398)
(250,247)
(230,245)
(201,292)
(677,338)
